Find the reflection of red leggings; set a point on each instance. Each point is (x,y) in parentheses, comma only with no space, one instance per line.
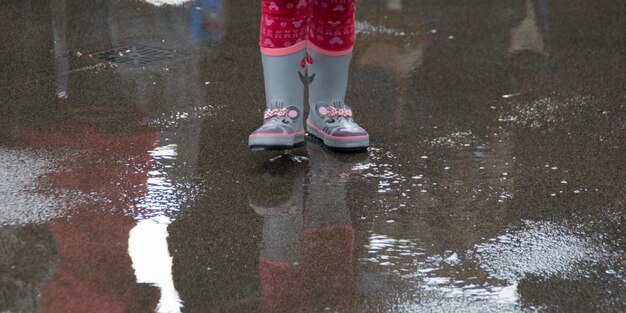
(327,25)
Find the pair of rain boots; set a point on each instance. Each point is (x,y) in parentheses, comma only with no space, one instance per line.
(329,120)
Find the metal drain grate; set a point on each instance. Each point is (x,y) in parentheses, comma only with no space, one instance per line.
(136,55)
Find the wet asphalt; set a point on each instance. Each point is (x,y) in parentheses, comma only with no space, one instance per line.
(494,181)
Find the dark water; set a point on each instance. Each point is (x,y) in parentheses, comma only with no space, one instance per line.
(494,183)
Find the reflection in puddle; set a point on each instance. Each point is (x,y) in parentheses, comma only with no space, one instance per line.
(159,3)
(430,279)
(453,279)
(540,248)
(365,28)
(308,239)
(408,229)
(147,247)
(147,243)
(22,200)
(387,251)
(178,118)
(165,194)
(161,195)
(20,203)
(455,139)
(415,219)
(549,111)
(459,289)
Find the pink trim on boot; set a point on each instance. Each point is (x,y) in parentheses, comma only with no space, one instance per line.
(329,53)
(276,135)
(309,124)
(278,52)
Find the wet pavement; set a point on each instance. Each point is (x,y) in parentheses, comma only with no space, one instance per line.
(494,181)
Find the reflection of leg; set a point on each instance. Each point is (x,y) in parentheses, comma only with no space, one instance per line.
(282,288)
(279,266)
(282,236)
(328,237)
(328,272)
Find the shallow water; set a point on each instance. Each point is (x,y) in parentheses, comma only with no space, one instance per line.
(494,183)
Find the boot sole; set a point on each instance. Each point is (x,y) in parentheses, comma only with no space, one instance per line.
(275,143)
(339,144)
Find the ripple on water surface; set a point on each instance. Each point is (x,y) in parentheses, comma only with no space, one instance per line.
(487,277)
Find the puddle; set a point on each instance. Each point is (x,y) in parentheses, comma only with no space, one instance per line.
(455,139)
(160,3)
(555,110)
(398,255)
(365,28)
(23,202)
(483,191)
(541,249)
(165,194)
(152,262)
(491,275)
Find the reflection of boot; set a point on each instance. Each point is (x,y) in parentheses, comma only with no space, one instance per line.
(330,119)
(527,35)
(277,188)
(282,127)
(279,200)
(328,175)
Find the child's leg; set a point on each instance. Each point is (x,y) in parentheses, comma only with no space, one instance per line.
(331,38)
(284,25)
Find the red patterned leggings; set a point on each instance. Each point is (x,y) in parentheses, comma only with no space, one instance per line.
(327,25)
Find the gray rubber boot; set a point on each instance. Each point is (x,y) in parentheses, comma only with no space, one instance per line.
(284,92)
(330,119)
